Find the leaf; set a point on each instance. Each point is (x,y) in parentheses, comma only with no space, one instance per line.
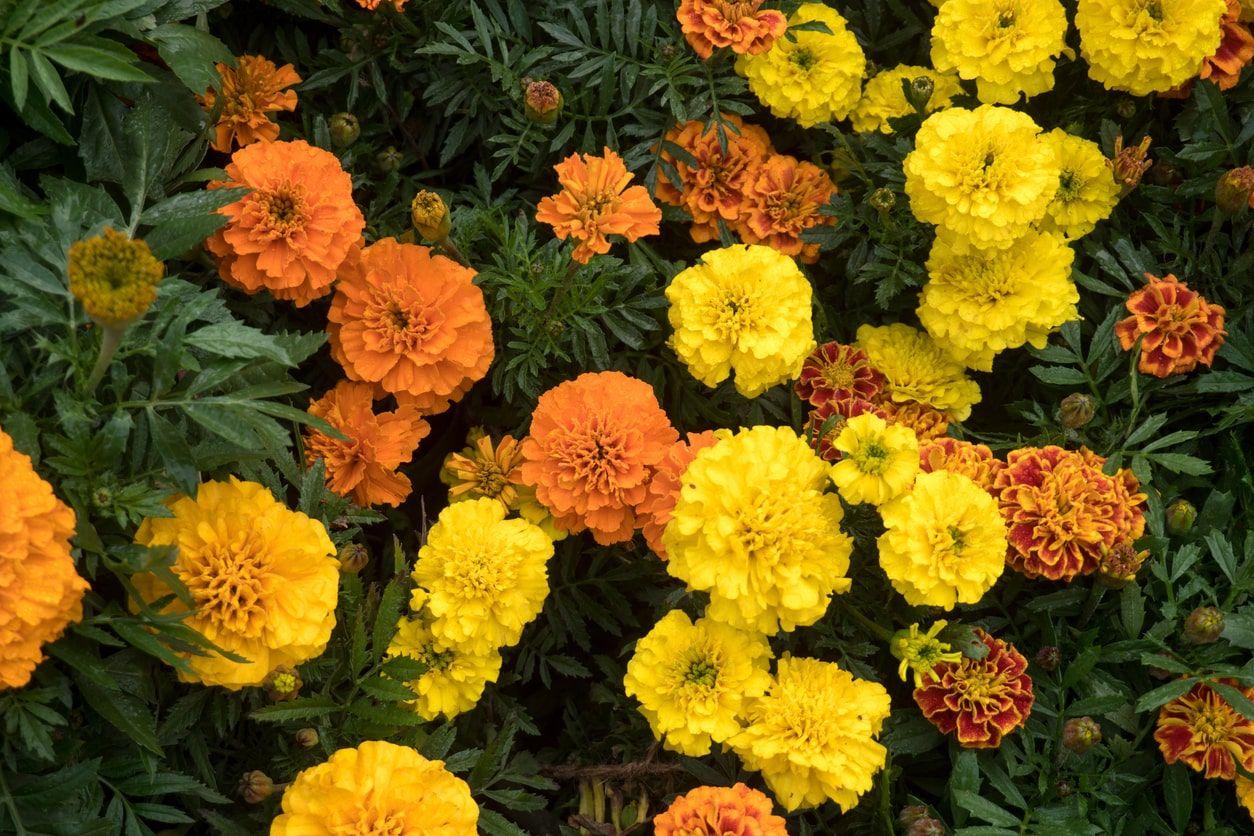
(176,236)
(200,202)
(300,709)
(1235,699)
(191,54)
(123,710)
(100,57)
(1059,375)
(1239,629)
(1164,693)
(237,341)
(13,200)
(1178,795)
(984,809)
(386,617)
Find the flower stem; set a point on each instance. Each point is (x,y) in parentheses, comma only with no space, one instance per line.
(881,632)
(110,339)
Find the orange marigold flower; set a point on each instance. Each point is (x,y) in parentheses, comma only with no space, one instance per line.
(783,201)
(827,420)
(1178,328)
(982,700)
(720,811)
(663,492)
(295,227)
(364,464)
(596,201)
(371,5)
(740,24)
(595,443)
(835,371)
(927,422)
(483,469)
(249,92)
(1062,513)
(40,593)
(1206,733)
(714,188)
(411,322)
(975,461)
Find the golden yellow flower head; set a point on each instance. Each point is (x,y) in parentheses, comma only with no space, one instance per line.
(1148,46)
(115,277)
(808,76)
(1245,793)
(1008,47)
(754,529)
(744,309)
(884,98)
(484,469)
(812,735)
(918,370)
(978,303)
(921,652)
(430,216)
(944,543)
(692,680)
(1087,191)
(455,676)
(879,461)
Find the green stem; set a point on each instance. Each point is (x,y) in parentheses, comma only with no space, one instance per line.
(110,339)
(881,632)
(18,827)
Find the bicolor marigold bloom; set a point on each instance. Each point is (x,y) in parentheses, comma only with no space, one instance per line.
(455,676)
(884,97)
(484,469)
(921,652)
(916,369)
(1236,50)
(412,323)
(754,528)
(810,76)
(1178,329)
(40,592)
(1087,191)
(692,680)
(1201,730)
(248,93)
(974,461)
(836,372)
(595,443)
(878,460)
(596,201)
(928,422)
(377,788)
(114,277)
(1061,511)
(294,229)
(363,465)
(825,424)
(745,309)
(741,25)
(1130,163)
(783,200)
(655,511)
(813,734)
(263,580)
(1008,47)
(720,811)
(980,701)
(1147,46)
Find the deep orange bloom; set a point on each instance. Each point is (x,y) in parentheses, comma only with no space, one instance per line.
(663,492)
(291,233)
(975,461)
(835,371)
(983,700)
(720,811)
(371,5)
(1179,328)
(364,464)
(1206,733)
(249,92)
(411,322)
(1062,512)
(926,421)
(783,201)
(740,24)
(714,188)
(595,443)
(596,201)
(827,420)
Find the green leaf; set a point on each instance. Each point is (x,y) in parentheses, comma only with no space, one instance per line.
(199,202)
(984,810)
(1178,795)
(191,54)
(101,58)
(386,618)
(237,341)
(19,77)
(1059,375)
(13,201)
(49,82)
(123,710)
(176,236)
(1164,693)
(300,709)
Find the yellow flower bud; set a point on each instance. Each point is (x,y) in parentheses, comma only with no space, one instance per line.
(115,277)
(542,102)
(430,216)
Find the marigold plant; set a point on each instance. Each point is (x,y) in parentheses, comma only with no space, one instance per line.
(741,25)
(884,97)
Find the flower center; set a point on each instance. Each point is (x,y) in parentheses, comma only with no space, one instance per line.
(702,672)
(1068,186)
(490,479)
(1154,8)
(435,660)
(376,822)
(594,455)
(1213,724)
(398,325)
(871,458)
(1006,19)
(735,314)
(228,581)
(803,58)
(282,210)
(838,375)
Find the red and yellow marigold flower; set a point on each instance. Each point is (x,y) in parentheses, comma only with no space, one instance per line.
(742,25)
(663,493)
(975,461)
(825,422)
(835,371)
(979,700)
(783,201)
(720,811)
(1177,327)
(927,422)
(248,93)
(596,201)
(1201,730)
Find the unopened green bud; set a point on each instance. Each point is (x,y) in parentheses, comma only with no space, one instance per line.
(1180,517)
(344,129)
(1204,625)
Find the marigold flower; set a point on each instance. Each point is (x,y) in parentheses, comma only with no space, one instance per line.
(745,309)
(927,422)
(921,652)
(40,592)
(1087,191)
(595,443)
(1245,793)
(979,700)
(283,684)
(720,811)
(1202,731)
(294,229)
(1009,47)
(371,5)
(825,424)
(114,277)
(884,96)
(1177,327)
(484,469)
(455,676)
(412,323)
(263,580)
(596,201)
(248,93)
(1147,46)
(783,200)
(742,25)
(1129,164)
(879,460)
(812,735)
(542,102)
(836,372)
(754,528)
(655,511)
(1236,50)
(377,788)
(429,215)
(1061,511)
(944,542)
(917,369)
(693,678)
(1119,564)
(974,461)
(1204,625)
(810,76)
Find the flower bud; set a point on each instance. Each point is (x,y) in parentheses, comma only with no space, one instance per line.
(102,498)
(307,738)
(882,200)
(1079,734)
(1234,193)
(344,129)
(542,102)
(919,92)
(114,276)
(430,216)
(1119,564)
(1076,410)
(1048,658)
(388,160)
(255,786)
(1063,788)
(1130,163)
(1204,625)
(911,814)
(1125,107)
(283,684)
(353,558)
(1180,517)
(927,826)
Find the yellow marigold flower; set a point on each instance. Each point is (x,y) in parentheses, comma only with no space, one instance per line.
(249,92)
(921,652)
(377,788)
(692,680)
(944,543)
(978,303)
(919,370)
(1008,47)
(263,578)
(883,98)
(1245,794)
(484,469)
(1087,191)
(879,461)
(486,577)
(455,676)
(754,528)
(808,76)
(744,308)
(812,735)
(1148,46)
(984,174)
(115,277)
